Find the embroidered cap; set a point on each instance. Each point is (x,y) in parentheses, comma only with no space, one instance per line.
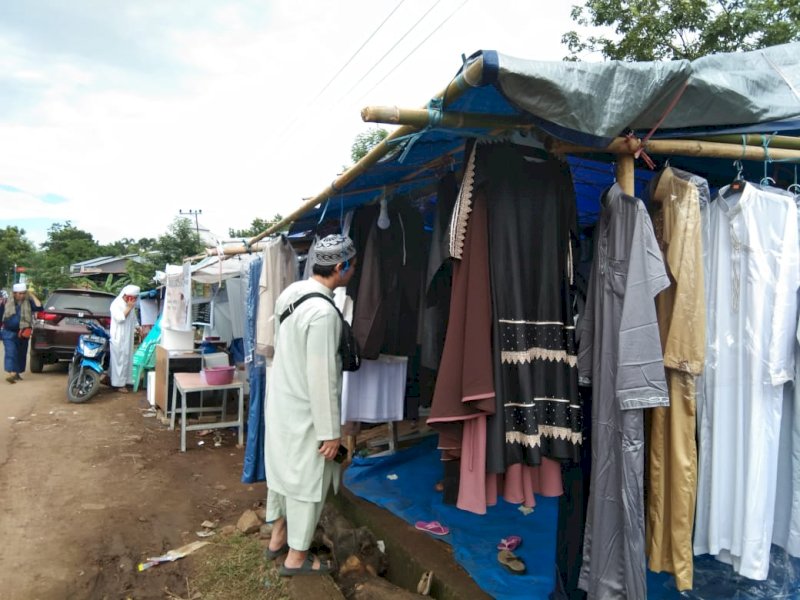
(333,249)
(19,287)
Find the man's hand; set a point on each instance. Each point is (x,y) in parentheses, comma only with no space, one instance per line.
(328,448)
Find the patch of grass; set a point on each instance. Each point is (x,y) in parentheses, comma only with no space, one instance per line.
(234,567)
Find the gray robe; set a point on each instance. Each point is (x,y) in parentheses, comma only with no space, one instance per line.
(620,350)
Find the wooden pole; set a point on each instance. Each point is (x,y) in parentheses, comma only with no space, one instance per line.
(625,172)
(752,139)
(469,77)
(680,147)
(421,117)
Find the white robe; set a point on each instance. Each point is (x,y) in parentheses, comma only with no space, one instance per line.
(751,267)
(303,395)
(122,330)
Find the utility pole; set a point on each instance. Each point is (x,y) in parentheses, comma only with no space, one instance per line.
(194,212)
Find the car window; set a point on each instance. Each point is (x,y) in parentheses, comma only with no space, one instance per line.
(79,301)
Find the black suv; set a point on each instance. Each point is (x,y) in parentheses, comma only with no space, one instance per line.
(56,327)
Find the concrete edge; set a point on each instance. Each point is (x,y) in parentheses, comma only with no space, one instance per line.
(410,552)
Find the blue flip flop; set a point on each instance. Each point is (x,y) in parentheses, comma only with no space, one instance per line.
(273,554)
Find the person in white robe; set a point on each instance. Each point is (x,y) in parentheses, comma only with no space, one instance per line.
(303,407)
(123,327)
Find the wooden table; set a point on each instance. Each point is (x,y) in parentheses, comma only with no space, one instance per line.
(186,383)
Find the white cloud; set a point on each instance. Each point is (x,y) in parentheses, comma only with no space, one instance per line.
(186,110)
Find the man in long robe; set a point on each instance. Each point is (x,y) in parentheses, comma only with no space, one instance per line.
(303,406)
(17,316)
(123,326)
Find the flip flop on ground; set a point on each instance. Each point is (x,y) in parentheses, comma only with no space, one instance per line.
(307,568)
(512,542)
(433,527)
(511,562)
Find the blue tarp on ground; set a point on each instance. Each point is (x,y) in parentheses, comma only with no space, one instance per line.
(474,538)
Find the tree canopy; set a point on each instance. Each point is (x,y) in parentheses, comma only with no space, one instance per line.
(681,29)
(15,249)
(366,141)
(256,226)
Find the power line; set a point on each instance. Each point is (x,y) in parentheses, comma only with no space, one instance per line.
(349,60)
(342,68)
(380,60)
(417,47)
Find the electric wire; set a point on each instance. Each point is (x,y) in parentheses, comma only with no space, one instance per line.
(342,68)
(380,60)
(417,47)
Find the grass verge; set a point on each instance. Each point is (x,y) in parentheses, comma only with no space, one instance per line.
(234,567)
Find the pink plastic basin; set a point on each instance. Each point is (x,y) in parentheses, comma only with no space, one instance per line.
(218,375)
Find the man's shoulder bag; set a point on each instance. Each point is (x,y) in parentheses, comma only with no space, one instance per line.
(348,346)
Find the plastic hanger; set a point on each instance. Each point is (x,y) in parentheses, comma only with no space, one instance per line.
(738,183)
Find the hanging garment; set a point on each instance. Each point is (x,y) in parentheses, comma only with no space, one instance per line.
(387,283)
(620,351)
(786,533)
(672,449)
(376,392)
(278,271)
(532,222)
(751,270)
(438,279)
(464,392)
(253,468)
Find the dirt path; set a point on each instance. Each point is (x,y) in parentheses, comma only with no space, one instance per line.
(88,491)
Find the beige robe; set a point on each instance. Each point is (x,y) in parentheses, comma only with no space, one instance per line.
(304,393)
(278,271)
(672,449)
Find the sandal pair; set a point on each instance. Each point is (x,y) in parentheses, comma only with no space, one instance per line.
(511,562)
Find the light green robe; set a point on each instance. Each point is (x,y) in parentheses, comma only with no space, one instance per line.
(303,394)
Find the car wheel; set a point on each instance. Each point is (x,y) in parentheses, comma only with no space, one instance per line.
(36,362)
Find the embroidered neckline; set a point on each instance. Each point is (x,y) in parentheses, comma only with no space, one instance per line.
(458,222)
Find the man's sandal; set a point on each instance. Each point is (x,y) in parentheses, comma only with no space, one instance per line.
(307,568)
(511,562)
(273,554)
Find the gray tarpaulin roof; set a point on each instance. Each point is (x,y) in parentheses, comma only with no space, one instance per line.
(601,100)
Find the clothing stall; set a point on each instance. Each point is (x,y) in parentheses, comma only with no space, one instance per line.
(599,285)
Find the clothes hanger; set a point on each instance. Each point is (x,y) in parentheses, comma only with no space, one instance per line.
(794,188)
(738,183)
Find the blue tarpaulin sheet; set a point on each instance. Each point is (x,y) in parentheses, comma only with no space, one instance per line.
(253,469)
(411,496)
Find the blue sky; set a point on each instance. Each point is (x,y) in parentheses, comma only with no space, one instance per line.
(115,115)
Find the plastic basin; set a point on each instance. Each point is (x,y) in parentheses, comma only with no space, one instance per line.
(218,375)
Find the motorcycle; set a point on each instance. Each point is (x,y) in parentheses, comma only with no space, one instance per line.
(89,363)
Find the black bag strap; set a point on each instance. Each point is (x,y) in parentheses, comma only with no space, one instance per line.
(293,306)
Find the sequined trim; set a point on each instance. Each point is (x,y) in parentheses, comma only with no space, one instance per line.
(532,354)
(549,431)
(532,404)
(458,222)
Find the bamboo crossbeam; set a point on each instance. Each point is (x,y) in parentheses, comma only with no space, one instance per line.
(625,173)
(752,139)
(469,77)
(422,117)
(680,147)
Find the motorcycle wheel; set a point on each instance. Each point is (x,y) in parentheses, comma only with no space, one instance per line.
(82,386)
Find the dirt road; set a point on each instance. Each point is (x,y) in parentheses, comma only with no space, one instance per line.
(88,491)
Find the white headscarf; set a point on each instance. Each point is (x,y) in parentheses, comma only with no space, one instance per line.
(130,290)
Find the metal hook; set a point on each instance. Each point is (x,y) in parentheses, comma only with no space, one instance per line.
(737,164)
(767,181)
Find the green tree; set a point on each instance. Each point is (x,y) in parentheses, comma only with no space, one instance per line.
(366,141)
(256,226)
(180,241)
(682,29)
(64,246)
(15,249)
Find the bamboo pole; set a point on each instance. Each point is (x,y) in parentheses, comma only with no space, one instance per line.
(625,173)
(752,139)
(421,117)
(469,77)
(680,147)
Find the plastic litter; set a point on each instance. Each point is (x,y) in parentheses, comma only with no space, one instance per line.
(392,477)
(171,556)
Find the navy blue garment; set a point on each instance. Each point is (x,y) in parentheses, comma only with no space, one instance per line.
(254,468)
(16,351)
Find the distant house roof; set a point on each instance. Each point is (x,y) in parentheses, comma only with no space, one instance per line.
(103,265)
